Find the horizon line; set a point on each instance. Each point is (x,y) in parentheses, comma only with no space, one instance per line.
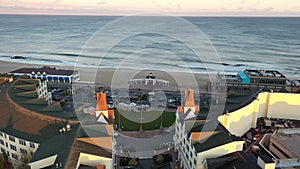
(120,15)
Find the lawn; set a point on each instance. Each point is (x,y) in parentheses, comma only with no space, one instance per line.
(150,120)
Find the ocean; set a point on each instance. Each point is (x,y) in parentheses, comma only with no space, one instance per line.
(240,43)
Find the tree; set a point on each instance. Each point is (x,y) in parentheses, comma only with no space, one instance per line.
(133,162)
(24,161)
(159,161)
(1,162)
(6,164)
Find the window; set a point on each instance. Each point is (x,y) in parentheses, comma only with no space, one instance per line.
(1,134)
(1,142)
(13,147)
(32,145)
(23,151)
(14,156)
(2,150)
(11,138)
(22,142)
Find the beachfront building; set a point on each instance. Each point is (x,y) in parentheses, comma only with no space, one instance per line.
(198,140)
(32,129)
(149,83)
(295,86)
(50,74)
(253,80)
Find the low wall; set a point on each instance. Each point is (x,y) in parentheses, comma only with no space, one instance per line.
(272,105)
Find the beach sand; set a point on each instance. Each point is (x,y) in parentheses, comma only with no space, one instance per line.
(105,76)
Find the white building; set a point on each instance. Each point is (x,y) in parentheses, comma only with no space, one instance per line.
(16,148)
(149,83)
(50,74)
(30,85)
(198,140)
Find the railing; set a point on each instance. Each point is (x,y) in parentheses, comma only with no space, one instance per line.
(289,162)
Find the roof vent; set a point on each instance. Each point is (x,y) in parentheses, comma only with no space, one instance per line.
(65,129)
(68,127)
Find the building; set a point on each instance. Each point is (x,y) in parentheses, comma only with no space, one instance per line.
(103,113)
(295,86)
(198,140)
(150,82)
(23,129)
(253,80)
(6,79)
(282,146)
(87,146)
(50,74)
(265,104)
(35,88)
(33,129)
(236,160)
(285,144)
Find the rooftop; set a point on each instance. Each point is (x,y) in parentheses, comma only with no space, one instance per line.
(101,101)
(18,121)
(207,134)
(47,70)
(189,98)
(264,73)
(237,160)
(290,138)
(69,145)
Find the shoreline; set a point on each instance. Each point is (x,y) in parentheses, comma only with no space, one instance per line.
(107,75)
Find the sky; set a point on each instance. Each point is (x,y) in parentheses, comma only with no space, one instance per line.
(173,7)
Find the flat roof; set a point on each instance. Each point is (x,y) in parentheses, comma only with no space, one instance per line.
(243,75)
(265,73)
(238,160)
(291,140)
(213,134)
(47,70)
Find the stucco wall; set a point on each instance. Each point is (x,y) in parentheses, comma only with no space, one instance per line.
(282,105)
(220,151)
(91,160)
(272,105)
(43,163)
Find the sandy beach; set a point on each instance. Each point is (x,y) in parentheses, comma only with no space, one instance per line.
(105,76)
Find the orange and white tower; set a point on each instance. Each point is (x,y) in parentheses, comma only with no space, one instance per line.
(105,115)
(189,108)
